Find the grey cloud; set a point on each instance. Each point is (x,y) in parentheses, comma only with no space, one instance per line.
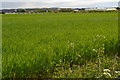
(57,4)
(21,4)
(12,4)
(69,4)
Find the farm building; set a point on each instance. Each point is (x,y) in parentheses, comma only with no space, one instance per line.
(111,9)
(101,9)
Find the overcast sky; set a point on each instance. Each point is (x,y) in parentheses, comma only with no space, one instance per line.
(58,3)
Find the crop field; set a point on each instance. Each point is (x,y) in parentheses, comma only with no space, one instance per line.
(60,45)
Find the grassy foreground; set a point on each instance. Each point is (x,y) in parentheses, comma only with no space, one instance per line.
(60,45)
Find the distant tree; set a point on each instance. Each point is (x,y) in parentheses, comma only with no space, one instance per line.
(3,12)
(42,11)
(66,10)
(49,10)
(21,11)
(82,9)
(118,8)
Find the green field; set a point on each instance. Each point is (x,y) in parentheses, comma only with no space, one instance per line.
(60,45)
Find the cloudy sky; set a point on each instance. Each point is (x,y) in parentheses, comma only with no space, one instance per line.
(58,3)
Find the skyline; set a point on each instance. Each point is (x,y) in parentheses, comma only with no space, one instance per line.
(59,4)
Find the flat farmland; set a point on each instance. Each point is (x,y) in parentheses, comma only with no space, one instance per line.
(60,45)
